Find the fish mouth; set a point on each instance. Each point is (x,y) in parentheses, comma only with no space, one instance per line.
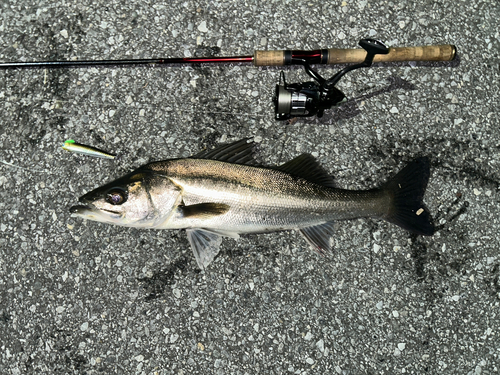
(80,209)
(90,212)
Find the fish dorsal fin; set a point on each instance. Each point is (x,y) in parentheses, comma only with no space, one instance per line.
(319,236)
(205,245)
(240,152)
(307,167)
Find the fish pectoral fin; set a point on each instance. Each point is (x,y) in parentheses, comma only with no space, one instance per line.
(203,210)
(319,236)
(307,167)
(205,245)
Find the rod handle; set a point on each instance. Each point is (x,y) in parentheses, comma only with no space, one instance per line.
(269,58)
(444,52)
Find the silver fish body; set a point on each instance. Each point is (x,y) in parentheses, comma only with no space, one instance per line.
(221,193)
(260,199)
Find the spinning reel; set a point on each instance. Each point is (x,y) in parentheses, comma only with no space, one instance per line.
(312,98)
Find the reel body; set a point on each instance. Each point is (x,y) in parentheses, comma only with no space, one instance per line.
(312,98)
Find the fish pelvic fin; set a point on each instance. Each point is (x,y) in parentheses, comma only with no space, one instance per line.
(205,245)
(406,191)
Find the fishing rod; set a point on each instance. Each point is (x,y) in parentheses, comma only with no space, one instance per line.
(265,58)
(291,100)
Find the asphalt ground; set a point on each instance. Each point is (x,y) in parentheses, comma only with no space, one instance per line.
(80,297)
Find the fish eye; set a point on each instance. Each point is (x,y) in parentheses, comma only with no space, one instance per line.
(116,197)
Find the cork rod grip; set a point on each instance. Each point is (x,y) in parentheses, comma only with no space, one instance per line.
(445,52)
(269,58)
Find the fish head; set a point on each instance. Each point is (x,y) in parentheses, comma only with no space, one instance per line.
(139,199)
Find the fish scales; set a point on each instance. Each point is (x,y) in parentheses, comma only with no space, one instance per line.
(266,198)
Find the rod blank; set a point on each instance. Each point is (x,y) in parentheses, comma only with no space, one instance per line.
(82,63)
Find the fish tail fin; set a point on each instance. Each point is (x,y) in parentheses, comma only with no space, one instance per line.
(407,190)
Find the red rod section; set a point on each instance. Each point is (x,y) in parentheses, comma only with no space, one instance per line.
(312,57)
(201,60)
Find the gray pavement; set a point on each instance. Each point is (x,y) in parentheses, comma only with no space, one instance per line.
(81,297)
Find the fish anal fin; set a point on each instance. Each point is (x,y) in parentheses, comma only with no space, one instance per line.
(205,245)
(307,167)
(203,210)
(319,236)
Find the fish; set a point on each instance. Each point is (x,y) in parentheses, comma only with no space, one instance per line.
(71,145)
(224,192)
